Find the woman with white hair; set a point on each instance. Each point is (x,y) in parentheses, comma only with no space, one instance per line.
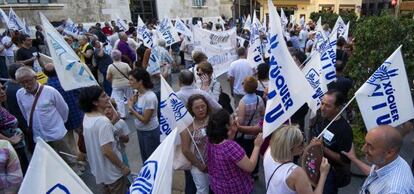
(117,74)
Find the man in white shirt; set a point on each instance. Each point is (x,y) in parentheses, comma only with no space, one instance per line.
(239,69)
(389,172)
(50,113)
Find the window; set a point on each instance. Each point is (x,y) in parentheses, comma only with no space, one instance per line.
(199,3)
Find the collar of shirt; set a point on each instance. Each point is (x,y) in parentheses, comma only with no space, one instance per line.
(28,93)
(187,87)
(387,168)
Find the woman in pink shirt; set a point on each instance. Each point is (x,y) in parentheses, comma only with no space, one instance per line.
(229,167)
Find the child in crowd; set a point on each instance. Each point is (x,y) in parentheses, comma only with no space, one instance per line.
(122,131)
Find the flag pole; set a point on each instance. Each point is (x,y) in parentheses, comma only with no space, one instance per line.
(196,147)
(339,114)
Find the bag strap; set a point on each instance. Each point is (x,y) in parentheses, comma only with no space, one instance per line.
(113,64)
(34,106)
(251,118)
(271,176)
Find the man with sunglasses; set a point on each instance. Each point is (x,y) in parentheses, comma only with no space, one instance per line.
(389,172)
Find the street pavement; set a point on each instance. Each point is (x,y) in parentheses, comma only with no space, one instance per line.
(133,152)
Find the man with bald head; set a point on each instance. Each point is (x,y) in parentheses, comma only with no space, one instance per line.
(389,173)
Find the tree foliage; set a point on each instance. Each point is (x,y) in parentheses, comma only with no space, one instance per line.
(330,18)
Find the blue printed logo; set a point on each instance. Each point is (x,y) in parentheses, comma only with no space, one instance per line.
(58,188)
(144,183)
(381,74)
(313,78)
(178,107)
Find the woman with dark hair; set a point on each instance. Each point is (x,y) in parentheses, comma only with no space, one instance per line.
(199,108)
(263,80)
(101,148)
(144,105)
(229,167)
(207,81)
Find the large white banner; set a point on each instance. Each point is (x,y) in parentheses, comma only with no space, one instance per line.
(220,47)
(385,98)
(121,24)
(247,23)
(313,73)
(69,69)
(173,111)
(48,173)
(144,34)
(157,173)
(288,87)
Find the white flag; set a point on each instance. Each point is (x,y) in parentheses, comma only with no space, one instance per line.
(283,19)
(320,37)
(254,52)
(48,173)
(328,58)
(70,28)
(339,26)
(313,73)
(264,24)
(346,31)
(69,69)
(167,32)
(157,173)
(144,34)
(26,28)
(173,111)
(121,24)
(4,18)
(182,28)
(247,23)
(385,98)
(288,87)
(15,23)
(302,22)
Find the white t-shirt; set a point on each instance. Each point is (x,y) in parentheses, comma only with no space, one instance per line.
(239,69)
(147,101)
(98,131)
(121,128)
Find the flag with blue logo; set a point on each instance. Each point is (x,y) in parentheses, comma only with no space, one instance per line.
(182,28)
(144,34)
(328,58)
(70,28)
(385,98)
(121,24)
(48,173)
(26,28)
(67,64)
(15,23)
(167,32)
(4,18)
(156,174)
(288,87)
(313,73)
(346,32)
(173,111)
(255,50)
(339,27)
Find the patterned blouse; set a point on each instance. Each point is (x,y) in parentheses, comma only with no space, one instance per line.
(11,175)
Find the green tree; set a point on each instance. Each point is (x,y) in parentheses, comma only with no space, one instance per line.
(330,18)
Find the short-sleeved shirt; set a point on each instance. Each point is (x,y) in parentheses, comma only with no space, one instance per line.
(147,101)
(99,131)
(25,53)
(252,111)
(239,70)
(225,176)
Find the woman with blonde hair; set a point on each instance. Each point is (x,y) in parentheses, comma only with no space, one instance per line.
(281,174)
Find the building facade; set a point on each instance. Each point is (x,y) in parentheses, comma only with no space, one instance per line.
(85,11)
(299,8)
